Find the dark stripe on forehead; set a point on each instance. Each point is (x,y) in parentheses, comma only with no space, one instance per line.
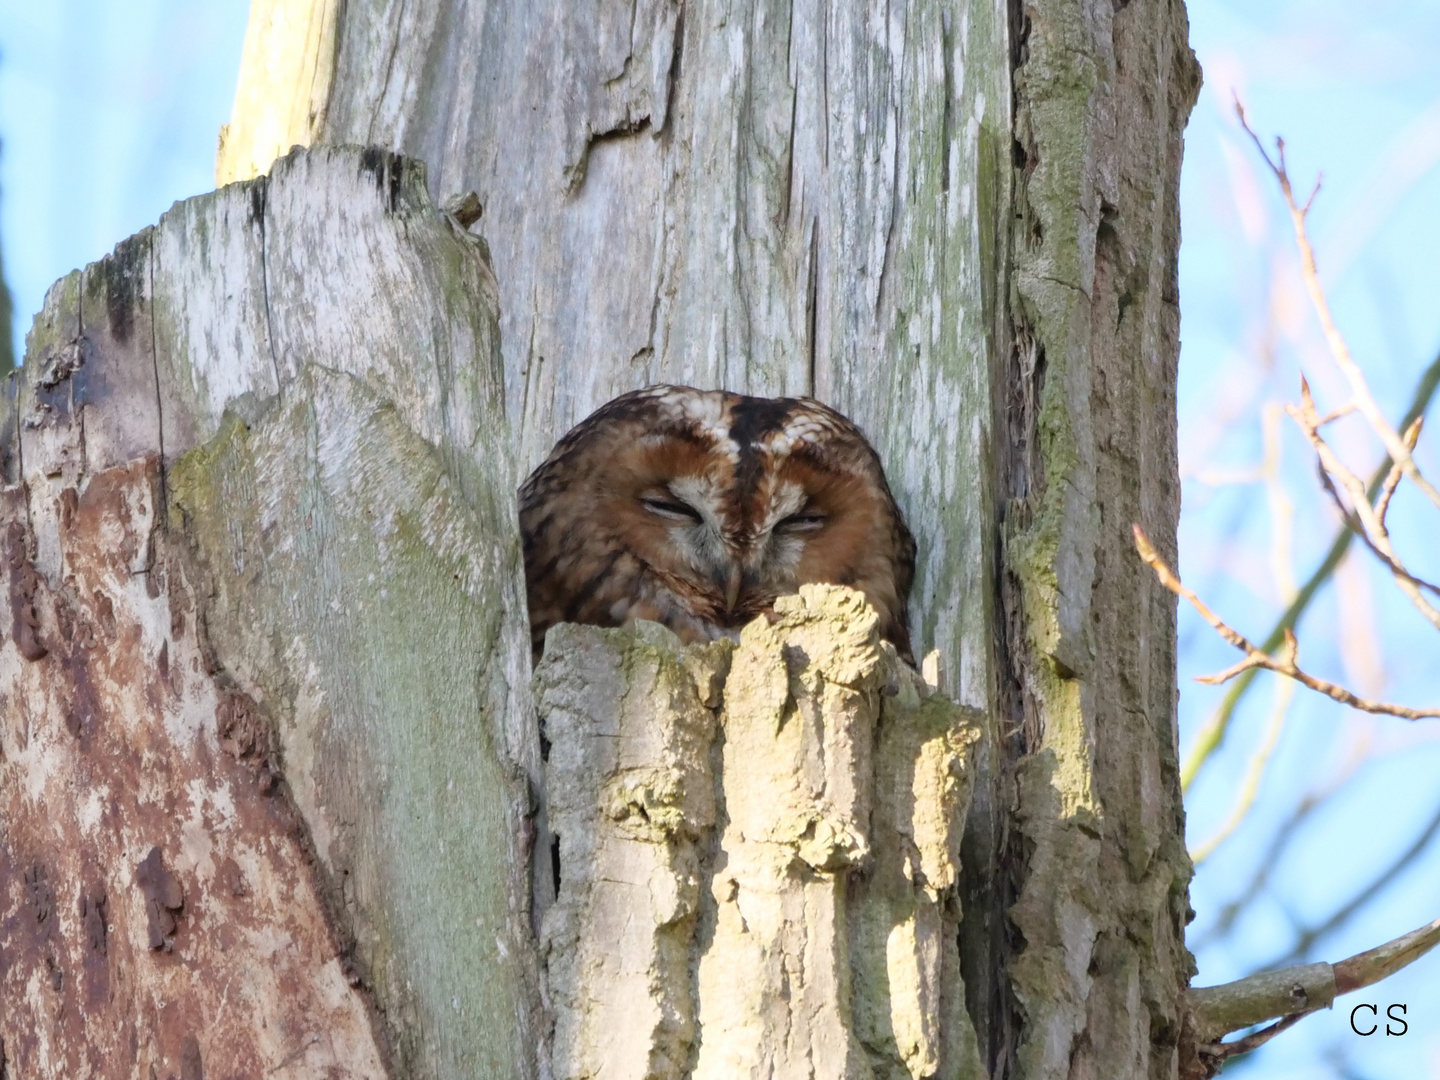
(751,420)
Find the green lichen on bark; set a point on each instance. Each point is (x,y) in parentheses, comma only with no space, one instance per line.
(1101,96)
(343,567)
(342,476)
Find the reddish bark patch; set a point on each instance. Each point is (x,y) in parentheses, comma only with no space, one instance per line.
(24,584)
(158,909)
(164,898)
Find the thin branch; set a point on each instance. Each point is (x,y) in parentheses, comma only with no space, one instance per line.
(1355,523)
(1254,658)
(1381,550)
(1307,938)
(1212,735)
(1392,478)
(1250,788)
(1336,414)
(1339,350)
(1170,581)
(1255,1039)
(1374,533)
(1215,1011)
(1368,968)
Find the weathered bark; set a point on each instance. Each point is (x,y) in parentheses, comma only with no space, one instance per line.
(769,198)
(775,199)
(1102,93)
(957,222)
(267,621)
(850,172)
(7,322)
(778,900)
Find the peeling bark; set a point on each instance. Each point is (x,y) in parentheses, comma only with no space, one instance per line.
(137,850)
(955,220)
(263,771)
(759,852)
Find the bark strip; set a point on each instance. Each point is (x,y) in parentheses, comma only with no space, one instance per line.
(266,749)
(759,853)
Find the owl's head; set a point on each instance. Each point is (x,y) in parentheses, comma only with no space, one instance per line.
(696,509)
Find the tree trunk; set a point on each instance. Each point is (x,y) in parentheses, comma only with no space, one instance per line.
(956,222)
(7,322)
(268,752)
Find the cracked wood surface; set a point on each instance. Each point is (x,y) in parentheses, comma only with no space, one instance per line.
(774,198)
(759,853)
(267,747)
(771,198)
(820,198)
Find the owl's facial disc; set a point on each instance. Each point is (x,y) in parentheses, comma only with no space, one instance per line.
(799,524)
(689,508)
(671,509)
(740,549)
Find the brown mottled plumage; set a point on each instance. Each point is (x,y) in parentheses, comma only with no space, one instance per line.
(696,509)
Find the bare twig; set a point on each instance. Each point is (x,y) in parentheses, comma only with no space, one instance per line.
(1284,692)
(1212,735)
(1306,939)
(1282,513)
(1339,350)
(1285,664)
(1392,478)
(1257,1039)
(1372,530)
(1336,414)
(1382,551)
(1215,1011)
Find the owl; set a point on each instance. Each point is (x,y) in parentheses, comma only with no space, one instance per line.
(697,508)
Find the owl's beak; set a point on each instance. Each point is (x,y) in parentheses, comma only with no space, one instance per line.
(732,588)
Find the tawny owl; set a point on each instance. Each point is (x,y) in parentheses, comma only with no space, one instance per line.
(696,509)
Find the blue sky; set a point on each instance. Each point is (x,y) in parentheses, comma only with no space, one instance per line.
(109,113)
(1355,91)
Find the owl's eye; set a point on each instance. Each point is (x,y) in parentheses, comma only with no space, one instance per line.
(670,509)
(800,523)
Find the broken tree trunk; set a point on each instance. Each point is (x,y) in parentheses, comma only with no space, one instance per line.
(267,753)
(955,220)
(958,222)
(759,847)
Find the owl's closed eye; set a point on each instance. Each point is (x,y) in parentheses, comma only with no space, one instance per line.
(696,509)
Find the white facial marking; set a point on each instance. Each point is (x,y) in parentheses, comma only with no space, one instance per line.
(782,556)
(702,543)
(787,499)
(777,556)
(701,494)
(708,412)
